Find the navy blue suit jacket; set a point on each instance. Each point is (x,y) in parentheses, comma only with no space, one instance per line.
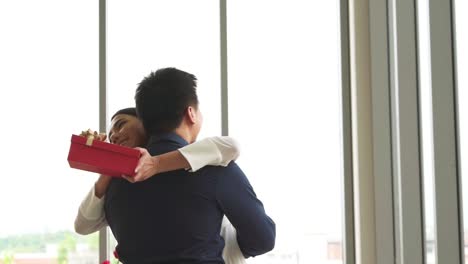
(175,217)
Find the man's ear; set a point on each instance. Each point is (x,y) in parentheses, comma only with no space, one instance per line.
(192,114)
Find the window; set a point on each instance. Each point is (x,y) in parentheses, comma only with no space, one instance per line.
(284,108)
(284,83)
(49,66)
(146,35)
(425,89)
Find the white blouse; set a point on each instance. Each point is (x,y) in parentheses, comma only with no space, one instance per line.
(216,151)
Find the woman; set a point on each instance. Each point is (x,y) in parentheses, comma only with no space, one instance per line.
(127,130)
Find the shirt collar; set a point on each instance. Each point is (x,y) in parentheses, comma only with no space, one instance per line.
(167,137)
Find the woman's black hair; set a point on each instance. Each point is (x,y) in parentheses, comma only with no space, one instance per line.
(126,111)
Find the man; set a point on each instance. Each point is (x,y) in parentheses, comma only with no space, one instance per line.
(175,217)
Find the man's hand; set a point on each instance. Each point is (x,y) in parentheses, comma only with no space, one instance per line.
(147,167)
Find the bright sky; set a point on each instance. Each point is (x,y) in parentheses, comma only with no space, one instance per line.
(284,81)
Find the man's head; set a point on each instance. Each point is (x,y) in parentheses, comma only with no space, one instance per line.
(166,101)
(126,129)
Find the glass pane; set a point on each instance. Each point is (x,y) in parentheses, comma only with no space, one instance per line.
(49,91)
(426,122)
(461,25)
(146,35)
(284,91)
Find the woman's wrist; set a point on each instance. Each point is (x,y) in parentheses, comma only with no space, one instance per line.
(100,187)
(169,161)
(156,161)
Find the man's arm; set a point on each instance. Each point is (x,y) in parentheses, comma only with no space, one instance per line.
(255,229)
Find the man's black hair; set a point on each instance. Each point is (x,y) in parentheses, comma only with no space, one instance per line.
(163,97)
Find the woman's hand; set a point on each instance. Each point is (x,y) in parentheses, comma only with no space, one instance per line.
(147,167)
(94,134)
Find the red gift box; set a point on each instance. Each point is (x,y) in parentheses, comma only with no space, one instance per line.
(102,157)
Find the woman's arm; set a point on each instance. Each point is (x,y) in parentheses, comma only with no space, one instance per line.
(216,151)
(231,253)
(90,217)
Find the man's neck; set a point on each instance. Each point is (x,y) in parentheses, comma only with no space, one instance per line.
(185,133)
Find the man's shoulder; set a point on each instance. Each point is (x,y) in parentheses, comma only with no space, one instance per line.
(162,147)
(224,176)
(232,167)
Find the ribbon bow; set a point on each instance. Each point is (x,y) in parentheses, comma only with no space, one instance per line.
(90,135)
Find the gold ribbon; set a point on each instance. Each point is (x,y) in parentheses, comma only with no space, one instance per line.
(90,135)
(89,140)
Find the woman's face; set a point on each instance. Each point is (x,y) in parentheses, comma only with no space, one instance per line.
(127,130)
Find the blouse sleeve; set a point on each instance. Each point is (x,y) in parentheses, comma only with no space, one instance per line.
(90,217)
(216,151)
(231,253)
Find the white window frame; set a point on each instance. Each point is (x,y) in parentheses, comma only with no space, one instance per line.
(387,158)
